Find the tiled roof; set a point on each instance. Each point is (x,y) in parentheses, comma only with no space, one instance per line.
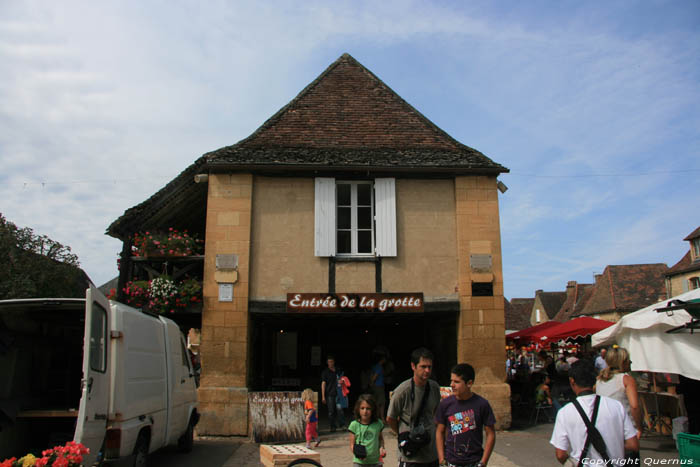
(347,117)
(684,265)
(551,301)
(627,288)
(518,312)
(576,298)
(694,234)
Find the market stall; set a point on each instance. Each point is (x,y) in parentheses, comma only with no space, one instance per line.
(645,334)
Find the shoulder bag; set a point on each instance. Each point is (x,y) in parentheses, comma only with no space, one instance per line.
(594,435)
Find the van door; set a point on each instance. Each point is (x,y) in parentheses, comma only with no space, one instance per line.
(94,402)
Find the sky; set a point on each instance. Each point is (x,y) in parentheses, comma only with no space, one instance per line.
(593,106)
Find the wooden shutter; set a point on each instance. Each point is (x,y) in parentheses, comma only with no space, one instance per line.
(385,212)
(324,220)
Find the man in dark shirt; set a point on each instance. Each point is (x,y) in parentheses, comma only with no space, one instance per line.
(466,414)
(329,390)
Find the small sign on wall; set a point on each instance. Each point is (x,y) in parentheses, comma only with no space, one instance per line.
(225,292)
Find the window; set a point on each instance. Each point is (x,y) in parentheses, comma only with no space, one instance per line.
(537,315)
(355,218)
(98,336)
(696,247)
(694,283)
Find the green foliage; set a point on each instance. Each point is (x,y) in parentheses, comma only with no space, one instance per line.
(33,266)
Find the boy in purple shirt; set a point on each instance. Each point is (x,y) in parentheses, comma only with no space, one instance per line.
(466,415)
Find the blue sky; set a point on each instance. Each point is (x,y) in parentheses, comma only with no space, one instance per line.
(594,106)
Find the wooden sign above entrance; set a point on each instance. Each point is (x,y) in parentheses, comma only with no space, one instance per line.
(346,302)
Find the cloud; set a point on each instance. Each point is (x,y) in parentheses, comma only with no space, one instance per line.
(101,104)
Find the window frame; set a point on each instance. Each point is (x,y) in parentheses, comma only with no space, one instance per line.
(693,283)
(354,229)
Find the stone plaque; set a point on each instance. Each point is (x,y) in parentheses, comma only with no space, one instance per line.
(480,263)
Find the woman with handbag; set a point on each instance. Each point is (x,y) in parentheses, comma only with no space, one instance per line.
(366,440)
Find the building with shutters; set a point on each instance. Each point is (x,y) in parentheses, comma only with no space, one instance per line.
(348,222)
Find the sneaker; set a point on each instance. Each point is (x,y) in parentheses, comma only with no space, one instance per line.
(308,446)
(318,441)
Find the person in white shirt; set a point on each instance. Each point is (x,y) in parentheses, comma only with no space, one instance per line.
(600,363)
(613,422)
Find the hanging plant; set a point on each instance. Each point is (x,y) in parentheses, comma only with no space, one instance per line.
(170,243)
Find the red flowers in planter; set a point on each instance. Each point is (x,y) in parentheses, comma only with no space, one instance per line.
(170,243)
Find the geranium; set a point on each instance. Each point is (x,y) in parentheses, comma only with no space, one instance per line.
(162,294)
(70,455)
(170,243)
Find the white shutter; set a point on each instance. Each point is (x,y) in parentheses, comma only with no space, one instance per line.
(686,285)
(324,220)
(385,208)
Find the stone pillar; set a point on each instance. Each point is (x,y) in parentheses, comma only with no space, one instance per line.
(481,326)
(223,394)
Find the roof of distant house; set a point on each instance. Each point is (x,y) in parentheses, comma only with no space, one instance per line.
(551,301)
(577,295)
(518,312)
(686,264)
(694,234)
(346,120)
(626,288)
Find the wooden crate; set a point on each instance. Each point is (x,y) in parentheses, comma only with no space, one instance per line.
(282,455)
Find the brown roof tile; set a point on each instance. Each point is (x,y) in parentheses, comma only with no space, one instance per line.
(627,288)
(518,312)
(576,298)
(551,301)
(349,117)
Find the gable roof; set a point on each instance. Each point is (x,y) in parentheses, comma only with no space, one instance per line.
(551,302)
(518,312)
(627,288)
(346,120)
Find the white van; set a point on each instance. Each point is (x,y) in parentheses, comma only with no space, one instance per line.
(137,392)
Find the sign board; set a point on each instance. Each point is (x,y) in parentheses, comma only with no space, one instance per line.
(346,302)
(276,417)
(225,292)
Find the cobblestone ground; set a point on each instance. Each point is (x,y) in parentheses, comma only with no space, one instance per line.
(526,447)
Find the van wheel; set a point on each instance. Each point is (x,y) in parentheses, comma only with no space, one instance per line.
(186,441)
(141,451)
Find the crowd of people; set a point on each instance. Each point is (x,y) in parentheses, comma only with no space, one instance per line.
(602,422)
(431,431)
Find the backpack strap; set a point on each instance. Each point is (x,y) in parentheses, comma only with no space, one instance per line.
(594,435)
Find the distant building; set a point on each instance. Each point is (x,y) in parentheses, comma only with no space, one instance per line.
(546,306)
(623,289)
(685,274)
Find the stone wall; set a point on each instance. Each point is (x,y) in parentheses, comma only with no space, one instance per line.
(223,393)
(481,327)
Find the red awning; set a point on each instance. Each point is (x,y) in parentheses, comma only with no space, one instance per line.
(577,327)
(525,335)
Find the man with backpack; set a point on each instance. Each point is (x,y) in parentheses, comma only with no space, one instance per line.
(592,428)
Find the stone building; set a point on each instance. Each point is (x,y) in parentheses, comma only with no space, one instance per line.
(347,222)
